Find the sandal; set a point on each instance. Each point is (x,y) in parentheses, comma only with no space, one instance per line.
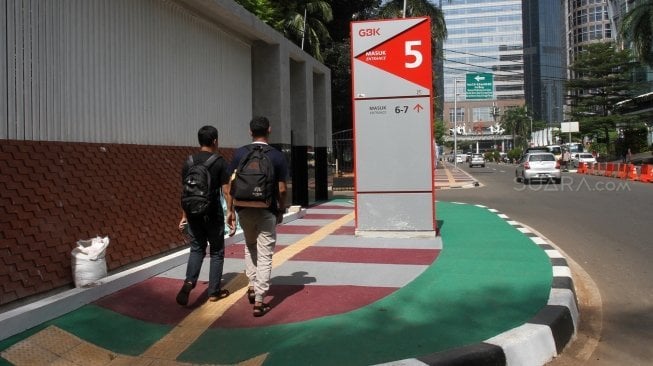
(221,295)
(261,310)
(251,295)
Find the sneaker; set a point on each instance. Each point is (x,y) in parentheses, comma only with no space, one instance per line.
(182,296)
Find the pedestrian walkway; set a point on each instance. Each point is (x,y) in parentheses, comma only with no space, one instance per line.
(449,176)
(497,293)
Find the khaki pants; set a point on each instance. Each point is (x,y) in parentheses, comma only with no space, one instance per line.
(259,228)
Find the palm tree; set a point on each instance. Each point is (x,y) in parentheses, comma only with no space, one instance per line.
(304,24)
(415,8)
(301,21)
(637,27)
(264,10)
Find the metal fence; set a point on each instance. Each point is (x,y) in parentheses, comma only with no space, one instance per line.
(343,152)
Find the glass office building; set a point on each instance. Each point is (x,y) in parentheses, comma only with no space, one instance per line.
(485,36)
(544,58)
(588,21)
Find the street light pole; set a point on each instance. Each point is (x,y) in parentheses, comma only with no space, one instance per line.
(455,120)
(531,134)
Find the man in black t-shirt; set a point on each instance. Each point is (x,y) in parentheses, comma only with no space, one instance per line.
(259,224)
(209,227)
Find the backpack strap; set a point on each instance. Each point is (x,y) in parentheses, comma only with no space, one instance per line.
(211,160)
(206,164)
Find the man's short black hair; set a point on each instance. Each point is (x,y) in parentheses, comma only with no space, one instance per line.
(259,126)
(206,135)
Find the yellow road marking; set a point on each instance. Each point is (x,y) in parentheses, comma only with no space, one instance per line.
(450,177)
(56,346)
(196,323)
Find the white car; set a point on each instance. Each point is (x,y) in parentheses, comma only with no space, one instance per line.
(586,158)
(538,166)
(460,158)
(477,160)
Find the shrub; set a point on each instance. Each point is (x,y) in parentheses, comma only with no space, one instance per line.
(514,154)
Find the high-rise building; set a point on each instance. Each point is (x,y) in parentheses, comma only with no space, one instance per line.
(484,36)
(587,21)
(544,58)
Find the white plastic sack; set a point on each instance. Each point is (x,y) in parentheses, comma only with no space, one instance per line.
(88,261)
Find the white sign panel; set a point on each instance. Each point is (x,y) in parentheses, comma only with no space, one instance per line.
(569,127)
(393,134)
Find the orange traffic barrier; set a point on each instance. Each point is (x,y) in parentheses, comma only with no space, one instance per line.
(601,169)
(609,169)
(590,168)
(631,172)
(581,168)
(597,169)
(622,171)
(646,174)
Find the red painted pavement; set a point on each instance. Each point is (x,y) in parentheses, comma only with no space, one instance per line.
(345,230)
(298,303)
(153,300)
(368,255)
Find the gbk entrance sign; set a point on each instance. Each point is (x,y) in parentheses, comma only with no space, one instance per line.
(392,83)
(479,86)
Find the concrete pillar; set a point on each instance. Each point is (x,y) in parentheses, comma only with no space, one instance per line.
(301,120)
(271,89)
(322,119)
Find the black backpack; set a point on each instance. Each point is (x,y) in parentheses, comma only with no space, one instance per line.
(197,195)
(253,184)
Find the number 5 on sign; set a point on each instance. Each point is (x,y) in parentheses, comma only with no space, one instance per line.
(411,51)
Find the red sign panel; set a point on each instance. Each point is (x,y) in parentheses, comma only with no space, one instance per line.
(407,54)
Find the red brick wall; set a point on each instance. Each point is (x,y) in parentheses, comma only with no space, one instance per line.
(53,194)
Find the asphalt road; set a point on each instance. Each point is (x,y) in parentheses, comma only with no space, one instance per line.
(603,224)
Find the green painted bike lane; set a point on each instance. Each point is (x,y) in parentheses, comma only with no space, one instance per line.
(489,278)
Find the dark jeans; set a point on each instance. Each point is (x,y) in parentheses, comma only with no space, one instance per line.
(207,230)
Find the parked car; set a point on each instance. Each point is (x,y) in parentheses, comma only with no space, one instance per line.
(538,166)
(556,150)
(533,149)
(477,160)
(586,158)
(460,158)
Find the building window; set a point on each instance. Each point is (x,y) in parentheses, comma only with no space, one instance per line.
(482,114)
(581,17)
(460,116)
(596,14)
(596,31)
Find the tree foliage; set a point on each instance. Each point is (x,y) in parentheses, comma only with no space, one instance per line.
(603,77)
(326,35)
(637,28)
(517,123)
(266,10)
(304,22)
(439,132)
(415,8)
(301,21)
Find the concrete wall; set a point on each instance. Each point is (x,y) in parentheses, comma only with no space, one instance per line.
(100,101)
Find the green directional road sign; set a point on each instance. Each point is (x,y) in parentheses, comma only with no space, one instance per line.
(480,86)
